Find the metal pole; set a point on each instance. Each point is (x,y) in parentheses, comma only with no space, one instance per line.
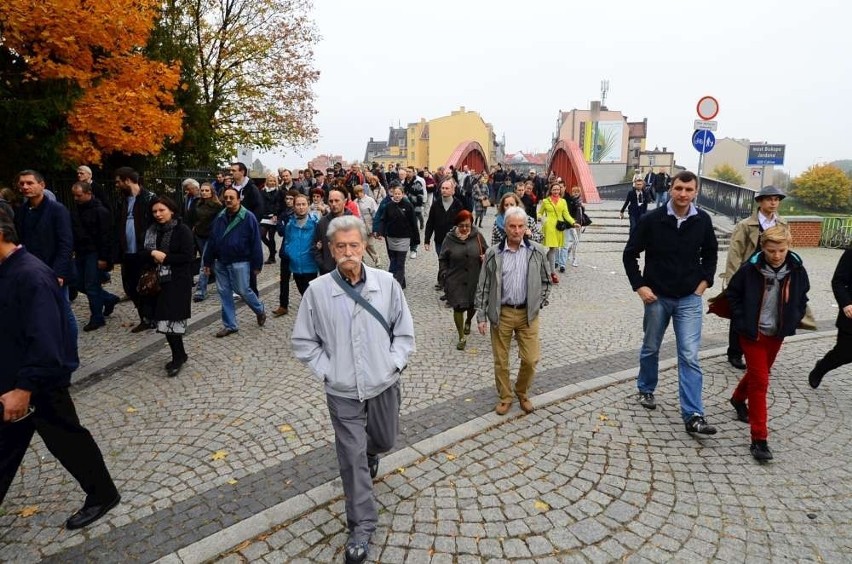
(701,163)
(762,175)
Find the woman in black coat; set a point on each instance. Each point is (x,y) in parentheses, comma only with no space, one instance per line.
(169,247)
(841,285)
(458,270)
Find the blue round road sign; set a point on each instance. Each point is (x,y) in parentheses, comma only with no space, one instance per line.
(703,140)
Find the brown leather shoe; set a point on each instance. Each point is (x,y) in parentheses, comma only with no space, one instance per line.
(527,406)
(280,311)
(503,407)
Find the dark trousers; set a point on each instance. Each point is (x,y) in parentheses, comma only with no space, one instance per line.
(284,283)
(838,356)
(361,428)
(396,265)
(734,348)
(253,283)
(131,271)
(89,282)
(55,420)
(302,281)
(267,236)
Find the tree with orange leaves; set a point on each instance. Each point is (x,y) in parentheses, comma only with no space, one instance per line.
(76,85)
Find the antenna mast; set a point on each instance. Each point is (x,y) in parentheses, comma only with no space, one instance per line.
(604,90)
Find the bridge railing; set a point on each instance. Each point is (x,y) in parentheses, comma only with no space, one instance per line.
(723,198)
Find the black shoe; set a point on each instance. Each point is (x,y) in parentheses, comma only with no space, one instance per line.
(697,424)
(270,260)
(373,463)
(742,410)
(173,367)
(224,332)
(141,327)
(737,362)
(92,326)
(561,269)
(355,552)
(467,327)
(760,451)
(647,400)
(89,514)
(261,319)
(815,378)
(109,307)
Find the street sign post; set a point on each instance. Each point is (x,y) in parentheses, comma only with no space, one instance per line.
(707,108)
(703,140)
(708,125)
(763,154)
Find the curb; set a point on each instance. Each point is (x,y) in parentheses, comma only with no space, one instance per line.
(147,345)
(220,542)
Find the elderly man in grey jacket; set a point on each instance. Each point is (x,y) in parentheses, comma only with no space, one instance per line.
(355,332)
(513,286)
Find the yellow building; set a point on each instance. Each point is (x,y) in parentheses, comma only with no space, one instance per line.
(431,143)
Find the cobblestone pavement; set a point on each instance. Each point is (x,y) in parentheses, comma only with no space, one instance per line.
(244,427)
(597,478)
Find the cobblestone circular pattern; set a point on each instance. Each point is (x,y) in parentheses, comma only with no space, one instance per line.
(598,478)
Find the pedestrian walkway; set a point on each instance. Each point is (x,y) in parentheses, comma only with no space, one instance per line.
(244,428)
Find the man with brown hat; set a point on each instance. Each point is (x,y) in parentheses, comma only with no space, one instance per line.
(744,242)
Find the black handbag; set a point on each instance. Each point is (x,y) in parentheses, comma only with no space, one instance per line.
(562,225)
(586,220)
(149,282)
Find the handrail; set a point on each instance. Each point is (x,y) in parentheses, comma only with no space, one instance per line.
(723,198)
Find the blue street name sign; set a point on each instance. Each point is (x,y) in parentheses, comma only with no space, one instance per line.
(703,140)
(765,155)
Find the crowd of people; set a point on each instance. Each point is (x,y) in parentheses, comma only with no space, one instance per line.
(353,327)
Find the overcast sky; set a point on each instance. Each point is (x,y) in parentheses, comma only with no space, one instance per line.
(780,70)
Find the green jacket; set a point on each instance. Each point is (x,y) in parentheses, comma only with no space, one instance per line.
(489,290)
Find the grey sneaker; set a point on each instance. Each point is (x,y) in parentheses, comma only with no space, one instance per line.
(646,400)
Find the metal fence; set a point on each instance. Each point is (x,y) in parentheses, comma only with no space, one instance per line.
(161,182)
(836,233)
(723,198)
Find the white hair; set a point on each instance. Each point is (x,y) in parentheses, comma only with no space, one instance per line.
(347,223)
(189,182)
(515,211)
(85,169)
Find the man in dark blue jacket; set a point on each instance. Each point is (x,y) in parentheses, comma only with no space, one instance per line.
(39,354)
(233,250)
(680,262)
(44,226)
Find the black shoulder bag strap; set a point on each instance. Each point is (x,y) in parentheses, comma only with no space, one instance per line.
(359,299)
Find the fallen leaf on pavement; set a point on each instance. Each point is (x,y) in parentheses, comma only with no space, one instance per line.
(541,506)
(219,455)
(285,428)
(603,417)
(450,456)
(131,410)
(232,481)
(29,511)
(400,470)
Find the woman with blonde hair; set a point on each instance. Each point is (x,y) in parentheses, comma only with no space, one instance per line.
(553,211)
(498,232)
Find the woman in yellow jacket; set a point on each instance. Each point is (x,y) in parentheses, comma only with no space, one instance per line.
(553,212)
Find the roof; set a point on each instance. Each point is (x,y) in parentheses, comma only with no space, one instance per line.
(397,137)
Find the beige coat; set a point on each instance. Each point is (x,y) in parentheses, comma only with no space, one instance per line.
(744,242)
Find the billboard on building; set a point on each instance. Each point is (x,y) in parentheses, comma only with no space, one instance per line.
(608,141)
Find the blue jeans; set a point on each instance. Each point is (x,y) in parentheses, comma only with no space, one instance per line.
(72,320)
(201,288)
(89,278)
(686,315)
(231,278)
(662,198)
